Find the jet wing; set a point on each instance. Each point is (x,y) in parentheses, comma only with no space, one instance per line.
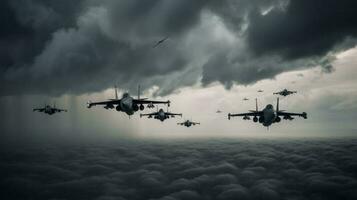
(149,114)
(180,124)
(39,109)
(144,101)
(251,114)
(114,101)
(194,123)
(59,110)
(168,113)
(281,113)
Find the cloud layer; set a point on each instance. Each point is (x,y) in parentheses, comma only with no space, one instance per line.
(69,45)
(246,169)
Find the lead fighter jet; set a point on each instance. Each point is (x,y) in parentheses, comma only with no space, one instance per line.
(188,123)
(161,115)
(49,110)
(285,92)
(127,104)
(268,115)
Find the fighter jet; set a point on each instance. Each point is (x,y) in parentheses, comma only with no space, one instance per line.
(127,104)
(151,105)
(245,99)
(160,42)
(285,92)
(268,115)
(260,90)
(161,115)
(49,110)
(188,123)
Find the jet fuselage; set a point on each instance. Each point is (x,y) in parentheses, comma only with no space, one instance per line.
(188,124)
(161,115)
(269,115)
(126,104)
(49,110)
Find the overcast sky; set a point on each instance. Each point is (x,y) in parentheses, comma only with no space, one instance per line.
(218,52)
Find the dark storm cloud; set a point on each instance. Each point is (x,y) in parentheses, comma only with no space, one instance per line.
(250,170)
(243,69)
(86,46)
(289,35)
(303,28)
(109,42)
(26,26)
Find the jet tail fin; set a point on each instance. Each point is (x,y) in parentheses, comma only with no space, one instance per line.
(116,92)
(277,105)
(256,104)
(139,91)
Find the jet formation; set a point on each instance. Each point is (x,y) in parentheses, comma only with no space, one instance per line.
(285,92)
(129,105)
(49,109)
